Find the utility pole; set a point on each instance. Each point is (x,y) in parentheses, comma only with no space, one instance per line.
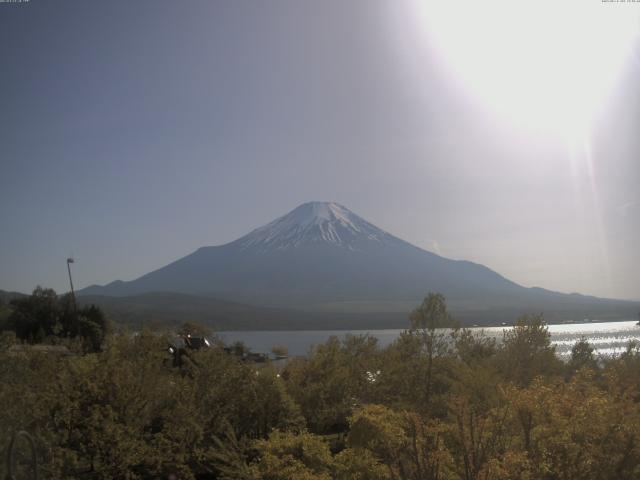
(73,294)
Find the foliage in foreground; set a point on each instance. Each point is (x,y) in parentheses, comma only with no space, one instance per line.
(45,316)
(435,404)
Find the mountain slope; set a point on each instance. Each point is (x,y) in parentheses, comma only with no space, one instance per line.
(6,297)
(318,253)
(323,256)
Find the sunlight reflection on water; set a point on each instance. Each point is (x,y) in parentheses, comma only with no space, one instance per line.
(607,338)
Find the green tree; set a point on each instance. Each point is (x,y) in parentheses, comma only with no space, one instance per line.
(35,317)
(378,429)
(429,321)
(44,315)
(527,352)
(582,356)
(288,456)
(407,445)
(359,464)
(474,348)
(335,377)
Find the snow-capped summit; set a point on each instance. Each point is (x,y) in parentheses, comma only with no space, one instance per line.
(315,223)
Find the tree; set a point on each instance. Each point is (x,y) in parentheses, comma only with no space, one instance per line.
(92,328)
(45,315)
(380,430)
(527,352)
(496,412)
(479,436)
(407,445)
(582,357)
(474,348)
(428,321)
(359,464)
(623,372)
(575,429)
(286,456)
(230,458)
(35,317)
(336,377)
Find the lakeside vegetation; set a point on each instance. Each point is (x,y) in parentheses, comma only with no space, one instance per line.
(432,405)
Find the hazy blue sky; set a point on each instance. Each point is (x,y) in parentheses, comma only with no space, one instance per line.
(134,132)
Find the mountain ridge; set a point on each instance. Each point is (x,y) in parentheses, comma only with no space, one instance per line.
(321,253)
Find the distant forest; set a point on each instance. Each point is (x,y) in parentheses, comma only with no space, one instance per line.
(165,310)
(432,405)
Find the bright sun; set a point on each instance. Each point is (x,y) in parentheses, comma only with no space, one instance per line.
(544,64)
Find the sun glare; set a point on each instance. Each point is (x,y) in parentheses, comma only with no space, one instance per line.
(546,65)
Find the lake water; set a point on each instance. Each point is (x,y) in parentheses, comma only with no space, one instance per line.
(608,338)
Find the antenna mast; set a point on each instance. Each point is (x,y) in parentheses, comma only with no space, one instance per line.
(73,294)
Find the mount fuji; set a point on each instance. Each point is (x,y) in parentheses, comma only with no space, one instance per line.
(322,257)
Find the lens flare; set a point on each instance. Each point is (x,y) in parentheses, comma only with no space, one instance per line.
(545,65)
